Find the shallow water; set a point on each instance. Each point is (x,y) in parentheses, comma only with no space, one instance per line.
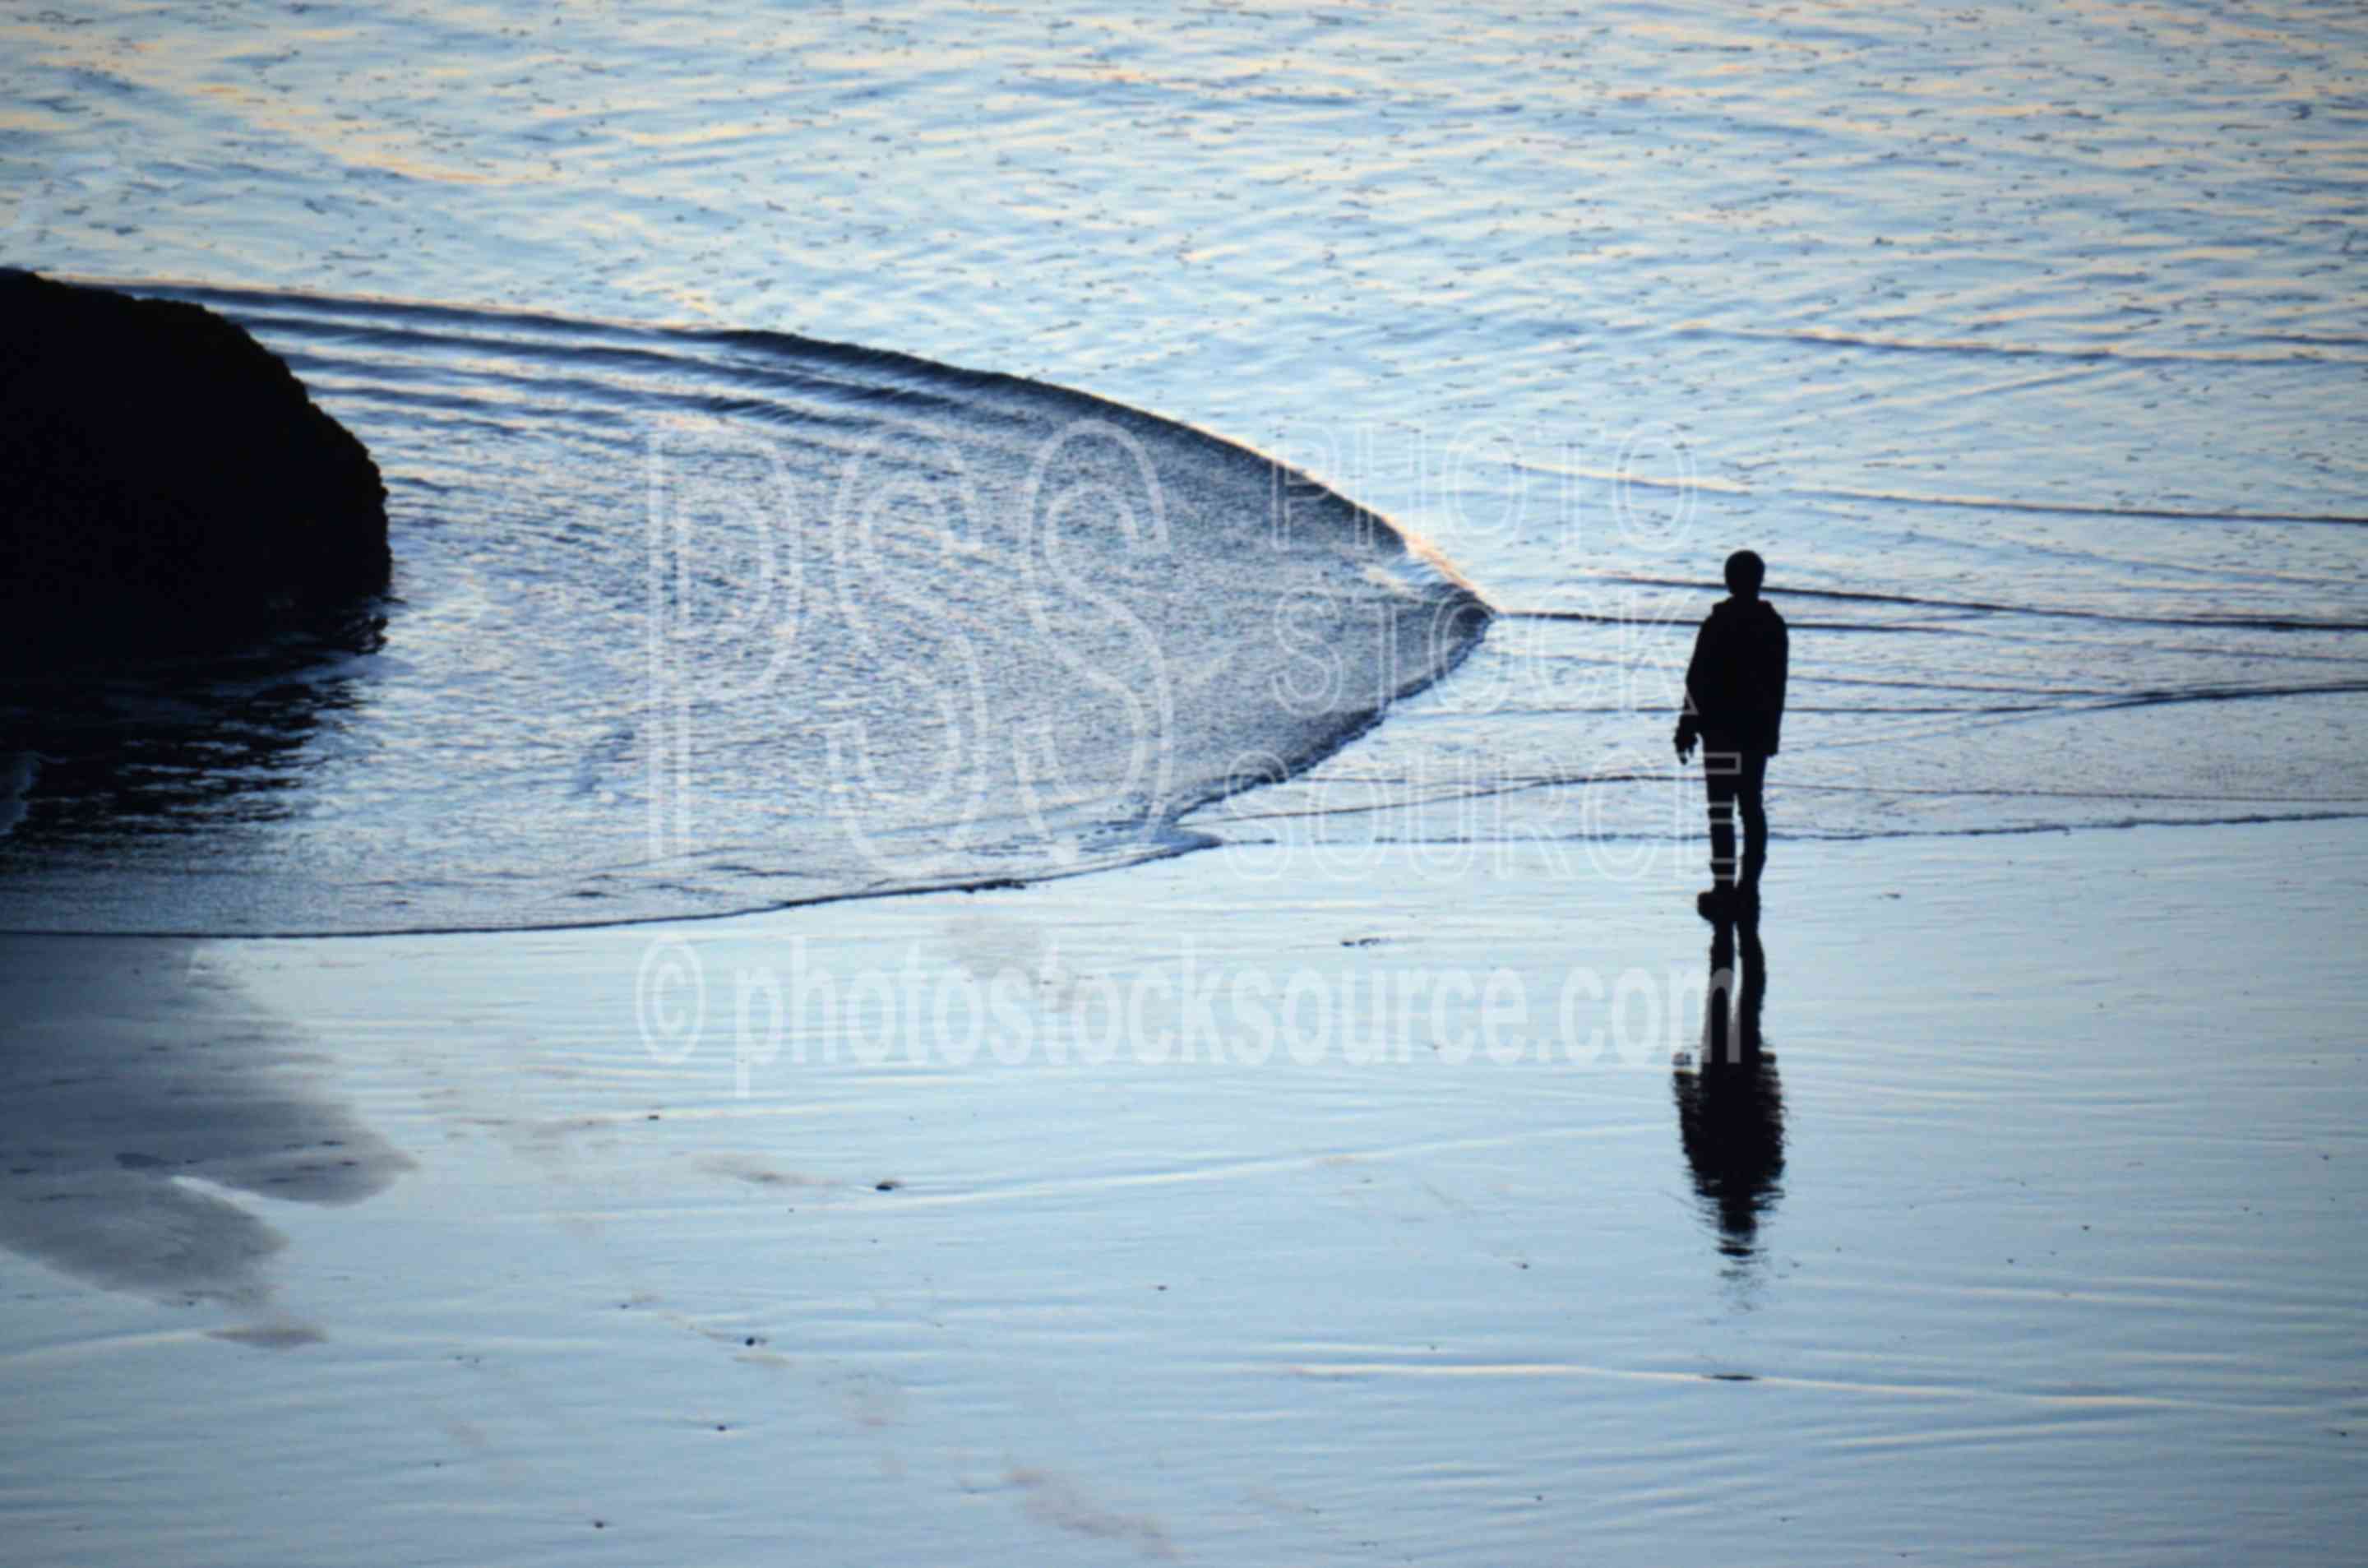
(692,622)
(2030,367)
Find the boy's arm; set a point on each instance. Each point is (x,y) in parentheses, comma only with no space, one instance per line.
(1689,711)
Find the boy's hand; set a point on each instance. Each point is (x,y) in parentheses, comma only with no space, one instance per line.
(1685,746)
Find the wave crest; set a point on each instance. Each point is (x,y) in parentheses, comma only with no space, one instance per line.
(692,622)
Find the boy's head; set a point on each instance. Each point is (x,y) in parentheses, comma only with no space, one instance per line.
(1744,572)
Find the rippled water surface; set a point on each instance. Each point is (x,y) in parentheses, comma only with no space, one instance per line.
(690,622)
(2023,343)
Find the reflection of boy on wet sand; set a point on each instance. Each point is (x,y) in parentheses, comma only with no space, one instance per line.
(1734,706)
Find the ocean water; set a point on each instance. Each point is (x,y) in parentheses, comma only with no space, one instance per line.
(700,621)
(2024,343)
(1227,488)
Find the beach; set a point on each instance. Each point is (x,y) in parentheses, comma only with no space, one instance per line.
(2067,1153)
(1003,879)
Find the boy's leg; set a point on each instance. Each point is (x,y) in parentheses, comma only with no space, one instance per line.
(1751,780)
(1721,775)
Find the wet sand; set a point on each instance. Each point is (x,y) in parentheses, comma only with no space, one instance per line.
(2036,1238)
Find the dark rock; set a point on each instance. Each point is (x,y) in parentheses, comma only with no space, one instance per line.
(165,484)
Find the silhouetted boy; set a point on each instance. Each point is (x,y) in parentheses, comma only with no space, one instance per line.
(1735,704)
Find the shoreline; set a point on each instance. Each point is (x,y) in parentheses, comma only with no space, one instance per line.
(1205,840)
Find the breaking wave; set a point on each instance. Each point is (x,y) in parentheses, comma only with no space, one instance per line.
(688,622)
